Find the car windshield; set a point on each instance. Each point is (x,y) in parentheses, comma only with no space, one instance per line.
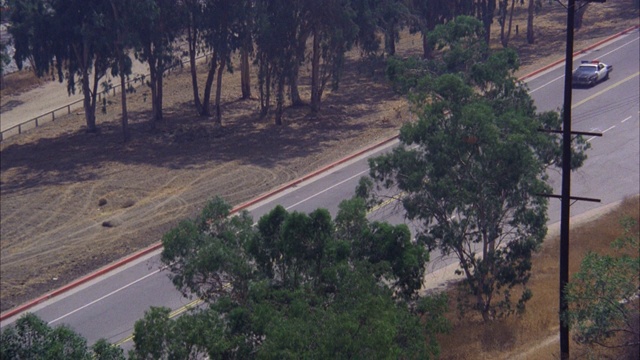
(586,69)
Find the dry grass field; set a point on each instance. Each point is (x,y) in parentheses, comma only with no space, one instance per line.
(535,334)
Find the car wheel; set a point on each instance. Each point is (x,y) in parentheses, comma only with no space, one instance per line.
(606,77)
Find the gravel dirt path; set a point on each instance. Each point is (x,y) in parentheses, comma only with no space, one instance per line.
(73,202)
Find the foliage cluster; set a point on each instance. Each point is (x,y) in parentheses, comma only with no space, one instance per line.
(303,285)
(86,39)
(32,338)
(603,294)
(472,168)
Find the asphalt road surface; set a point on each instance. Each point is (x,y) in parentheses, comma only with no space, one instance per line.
(108,306)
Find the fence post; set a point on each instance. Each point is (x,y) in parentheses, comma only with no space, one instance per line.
(53,115)
(36,122)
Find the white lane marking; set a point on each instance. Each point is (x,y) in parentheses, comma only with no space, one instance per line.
(562,76)
(626,119)
(327,189)
(104,297)
(541,86)
(593,137)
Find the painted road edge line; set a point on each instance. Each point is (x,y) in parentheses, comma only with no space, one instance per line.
(110,267)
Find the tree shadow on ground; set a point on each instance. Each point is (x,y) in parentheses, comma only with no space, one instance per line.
(183,139)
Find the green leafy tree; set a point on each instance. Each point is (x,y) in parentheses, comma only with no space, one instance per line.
(425,15)
(471,171)
(334,31)
(103,350)
(153,31)
(32,338)
(461,43)
(207,256)
(5,58)
(74,33)
(276,38)
(303,285)
(122,67)
(190,336)
(603,295)
(219,27)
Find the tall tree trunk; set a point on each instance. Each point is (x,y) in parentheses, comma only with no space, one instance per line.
(94,91)
(581,9)
(315,71)
(152,84)
(123,99)
(505,40)
(192,40)
(123,91)
(264,85)
(390,40)
(280,100)
(219,91)
(208,85)
(266,99)
(245,75)
(530,35)
(426,49)
(89,112)
(502,20)
(293,85)
(487,9)
(159,82)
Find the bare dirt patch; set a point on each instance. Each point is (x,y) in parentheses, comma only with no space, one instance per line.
(59,185)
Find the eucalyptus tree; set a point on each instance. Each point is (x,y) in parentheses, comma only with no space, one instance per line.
(603,295)
(277,51)
(375,16)
(392,15)
(32,338)
(472,170)
(221,28)
(297,285)
(485,11)
(425,15)
(333,31)
(366,20)
(224,35)
(71,37)
(193,12)
(154,30)
(121,44)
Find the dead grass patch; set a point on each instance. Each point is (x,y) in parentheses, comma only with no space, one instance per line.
(19,82)
(534,335)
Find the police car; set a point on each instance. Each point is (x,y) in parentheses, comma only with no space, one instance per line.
(590,73)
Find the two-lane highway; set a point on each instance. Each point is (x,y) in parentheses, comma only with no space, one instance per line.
(108,306)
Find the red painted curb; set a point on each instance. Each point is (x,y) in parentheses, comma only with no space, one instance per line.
(547,67)
(158,245)
(245,205)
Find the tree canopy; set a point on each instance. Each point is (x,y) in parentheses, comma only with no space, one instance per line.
(32,338)
(297,284)
(471,169)
(602,295)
